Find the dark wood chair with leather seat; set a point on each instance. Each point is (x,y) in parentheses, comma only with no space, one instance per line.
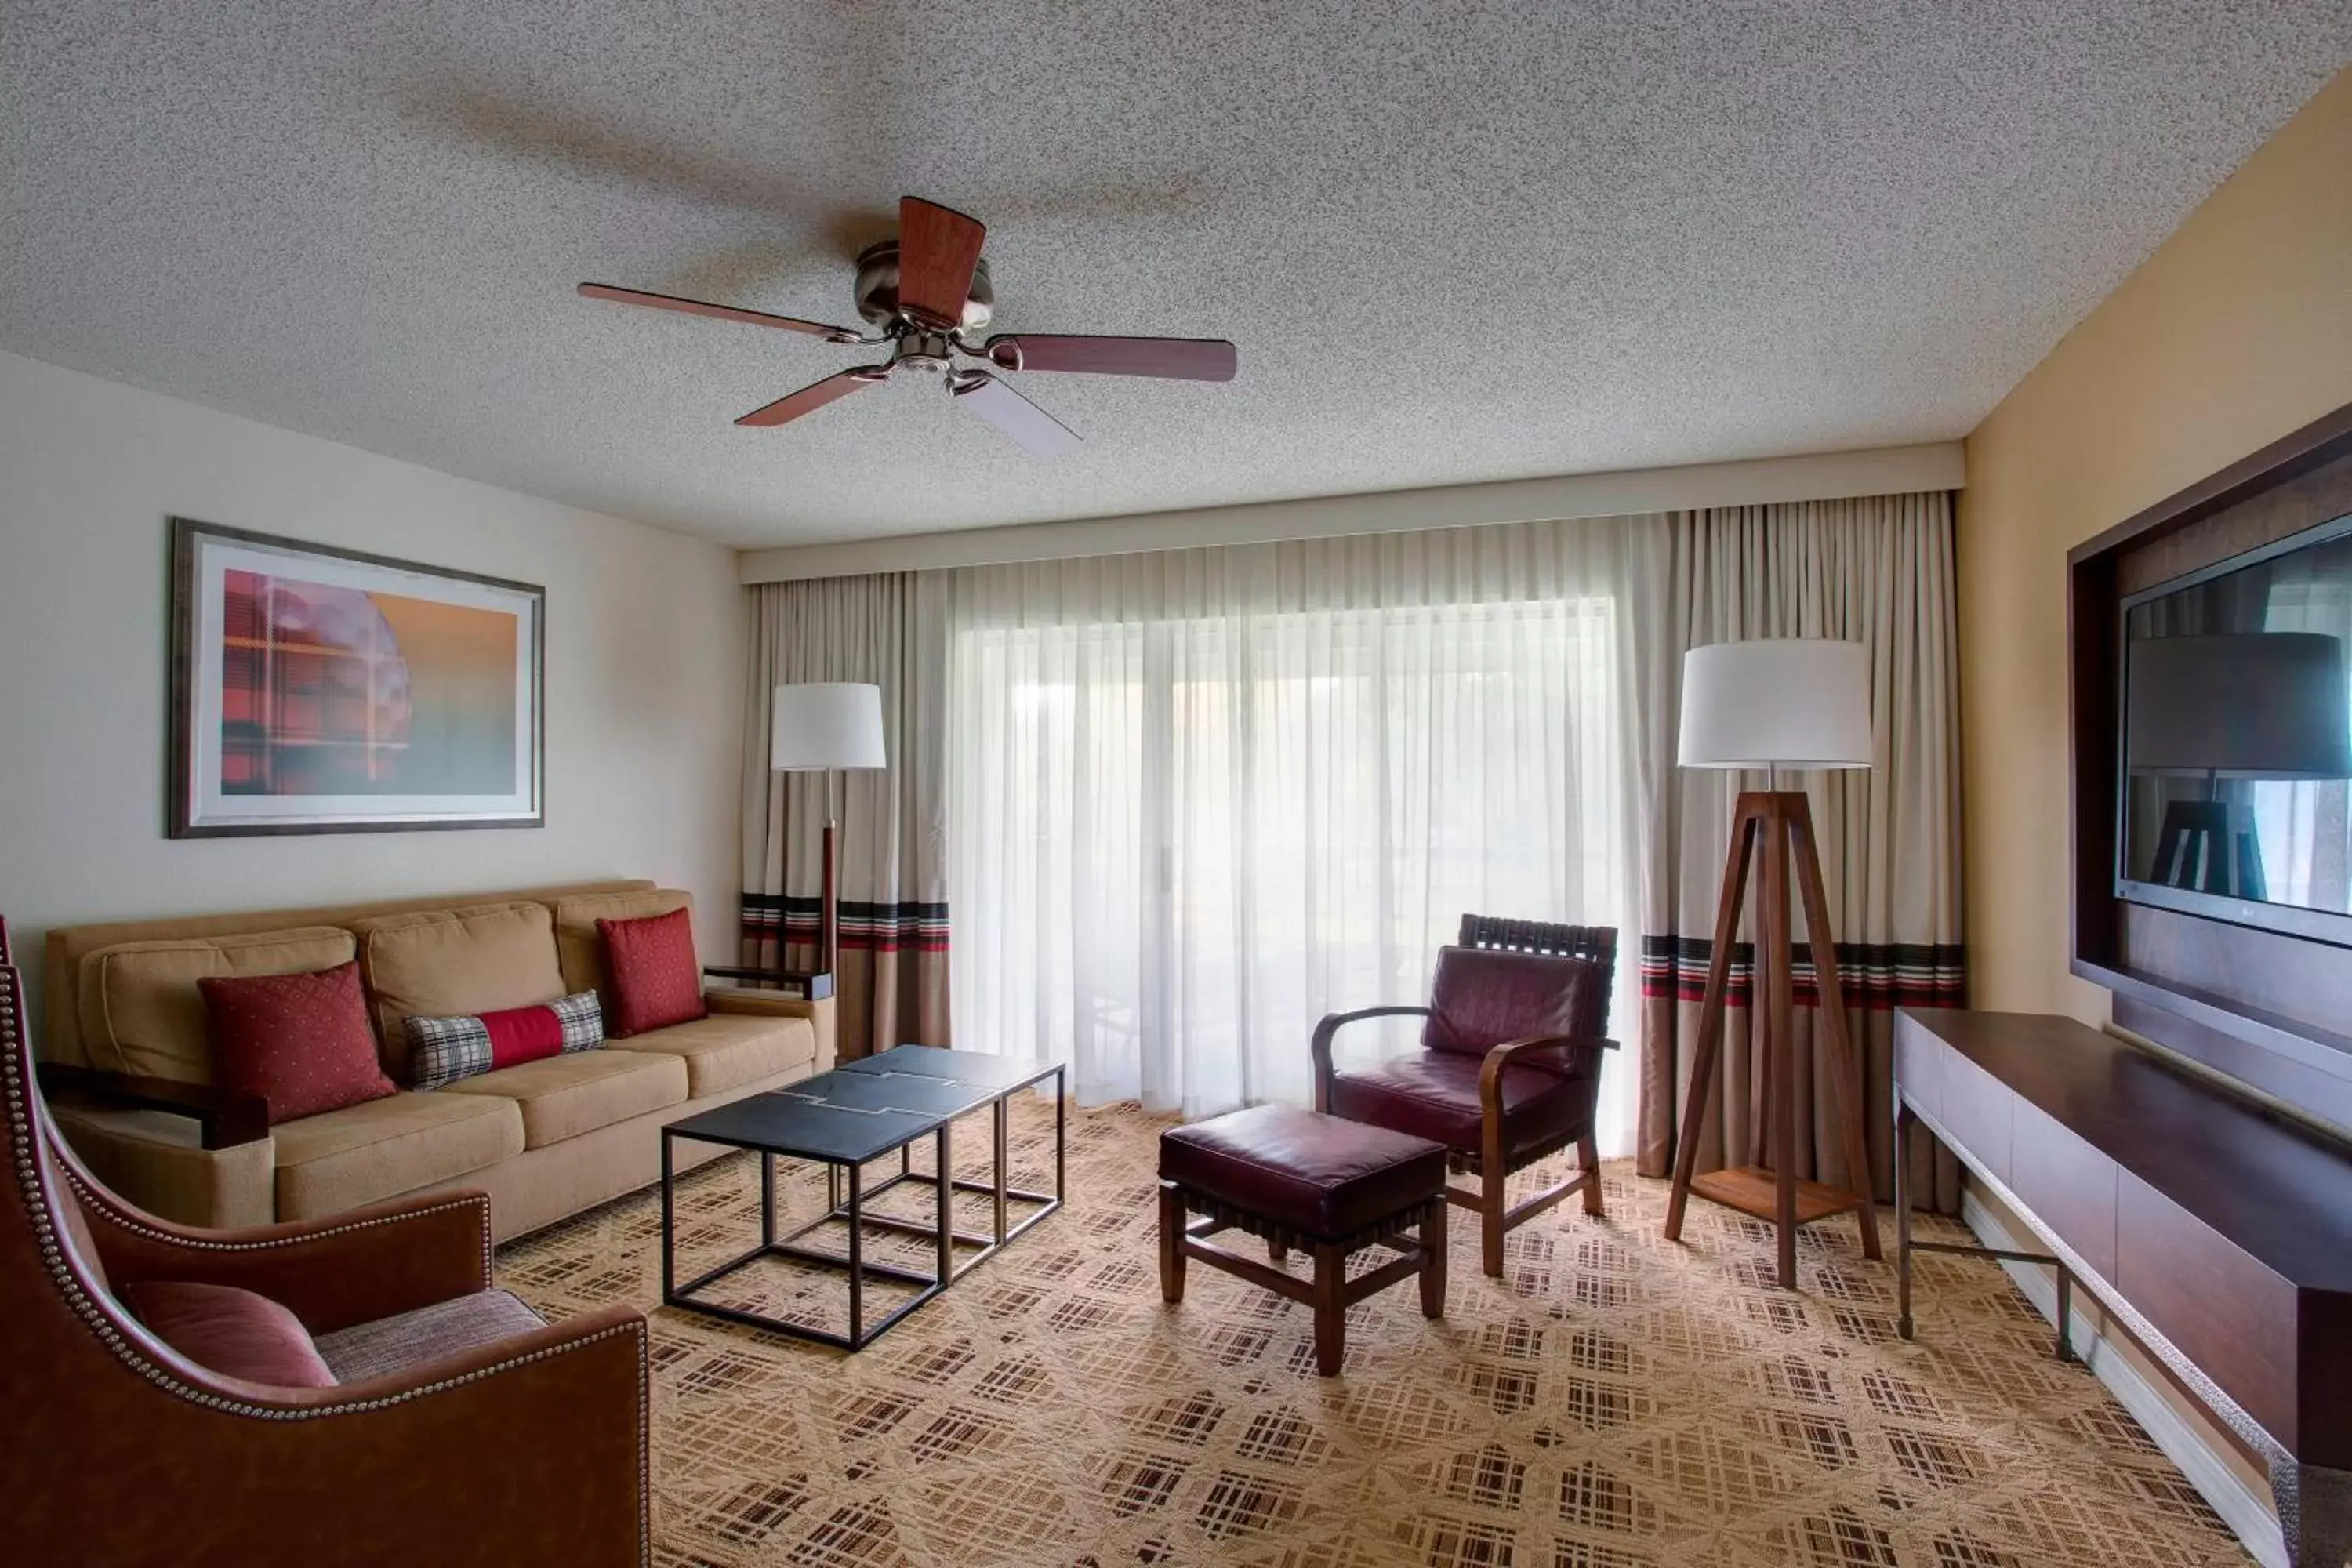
(449,1425)
(1509,1069)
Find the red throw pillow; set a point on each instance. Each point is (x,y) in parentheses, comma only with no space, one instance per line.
(300,1041)
(231,1332)
(657,978)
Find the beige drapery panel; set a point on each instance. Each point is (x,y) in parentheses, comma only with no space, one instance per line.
(888,630)
(1876,570)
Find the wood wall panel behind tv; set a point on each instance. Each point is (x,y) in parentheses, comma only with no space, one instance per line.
(2271,1011)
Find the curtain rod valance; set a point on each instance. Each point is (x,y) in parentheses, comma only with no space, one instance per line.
(1822,476)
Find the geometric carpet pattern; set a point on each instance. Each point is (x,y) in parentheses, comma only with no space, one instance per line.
(1614,1402)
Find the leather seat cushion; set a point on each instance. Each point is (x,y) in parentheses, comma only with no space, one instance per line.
(1434,1094)
(728,1050)
(389,1346)
(562,1097)
(342,1159)
(1313,1174)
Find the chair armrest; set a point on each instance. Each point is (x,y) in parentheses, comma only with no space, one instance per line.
(226,1117)
(531,1449)
(1331,1024)
(814,984)
(1508,1055)
(332,1273)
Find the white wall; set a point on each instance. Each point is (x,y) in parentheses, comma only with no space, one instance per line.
(644,667)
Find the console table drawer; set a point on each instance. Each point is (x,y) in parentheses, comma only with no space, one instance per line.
(1977,1109)
(2219,1308)
(2066,1183)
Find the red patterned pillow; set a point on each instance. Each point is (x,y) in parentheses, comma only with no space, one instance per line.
(657,978)
(231,1332)
(300,1041)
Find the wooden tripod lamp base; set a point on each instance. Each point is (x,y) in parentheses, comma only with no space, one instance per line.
(1777,827)
(1798,702)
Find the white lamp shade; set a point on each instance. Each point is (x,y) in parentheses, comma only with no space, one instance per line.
(2252,705)
(1788,702)
(826,724)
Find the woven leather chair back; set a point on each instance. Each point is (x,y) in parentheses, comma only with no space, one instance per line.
(1595,944)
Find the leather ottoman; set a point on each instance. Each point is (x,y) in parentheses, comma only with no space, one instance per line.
(1301,1179)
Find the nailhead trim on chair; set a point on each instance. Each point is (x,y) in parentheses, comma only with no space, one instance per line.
(22,1131)
(98,1200)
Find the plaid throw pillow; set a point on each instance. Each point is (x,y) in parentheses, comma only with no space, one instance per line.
(442,1051)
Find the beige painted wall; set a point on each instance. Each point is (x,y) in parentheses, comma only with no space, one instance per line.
(2236,332)
(645,635)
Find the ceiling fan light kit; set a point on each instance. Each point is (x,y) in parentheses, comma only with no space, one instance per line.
(930,295)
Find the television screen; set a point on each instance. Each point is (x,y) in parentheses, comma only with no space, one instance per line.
(2238,734)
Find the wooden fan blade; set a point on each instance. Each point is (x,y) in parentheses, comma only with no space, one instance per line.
(1179,359)
(1033,428)
(814,397)
(938,248)
(721,312)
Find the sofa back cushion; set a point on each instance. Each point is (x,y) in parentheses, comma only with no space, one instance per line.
(300,1041)
(141,1011)
(579,946)
(441,962)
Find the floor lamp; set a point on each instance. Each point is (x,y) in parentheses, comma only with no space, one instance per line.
(826,727)
(1783,703)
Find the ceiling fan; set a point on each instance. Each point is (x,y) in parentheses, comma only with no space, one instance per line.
(928,293)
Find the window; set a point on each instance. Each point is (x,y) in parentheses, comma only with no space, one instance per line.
(1178,842)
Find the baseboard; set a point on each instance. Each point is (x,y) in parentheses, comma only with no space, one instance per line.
(2246,1511)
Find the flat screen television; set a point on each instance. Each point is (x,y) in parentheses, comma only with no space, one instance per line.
(2236,739)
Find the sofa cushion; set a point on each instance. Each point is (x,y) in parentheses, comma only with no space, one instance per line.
(562,1097)
(440,963)
(365,1152)
(656,977)
(579,946)
(726,1051)
(393,1346)
(233,1332)
(442,1051)
(141,1011)
(300,1041)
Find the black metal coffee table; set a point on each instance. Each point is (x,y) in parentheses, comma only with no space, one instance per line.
(844,1119)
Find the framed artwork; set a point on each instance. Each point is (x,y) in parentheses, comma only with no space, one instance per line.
(321,691)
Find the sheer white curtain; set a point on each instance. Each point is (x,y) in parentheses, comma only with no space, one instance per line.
(1198,799)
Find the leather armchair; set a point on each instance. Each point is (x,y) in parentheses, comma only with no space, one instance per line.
(530,1447)
(1509,1069)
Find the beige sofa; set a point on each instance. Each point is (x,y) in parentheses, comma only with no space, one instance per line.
(125,1020)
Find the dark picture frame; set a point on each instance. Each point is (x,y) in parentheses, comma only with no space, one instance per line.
(199,802)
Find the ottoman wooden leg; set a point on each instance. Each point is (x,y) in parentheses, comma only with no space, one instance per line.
(1330,1308)
(1172,1242)
(1433,1261)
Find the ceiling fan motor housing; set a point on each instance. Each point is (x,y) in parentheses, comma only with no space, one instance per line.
(877,288)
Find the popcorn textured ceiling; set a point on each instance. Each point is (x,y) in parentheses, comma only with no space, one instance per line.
(1452,246)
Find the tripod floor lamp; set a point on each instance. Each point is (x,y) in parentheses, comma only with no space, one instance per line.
(1775,703)
(826,727)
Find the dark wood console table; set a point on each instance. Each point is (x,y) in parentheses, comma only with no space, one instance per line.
(2221,1237)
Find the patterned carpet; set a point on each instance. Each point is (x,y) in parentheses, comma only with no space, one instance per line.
(1614,1402)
